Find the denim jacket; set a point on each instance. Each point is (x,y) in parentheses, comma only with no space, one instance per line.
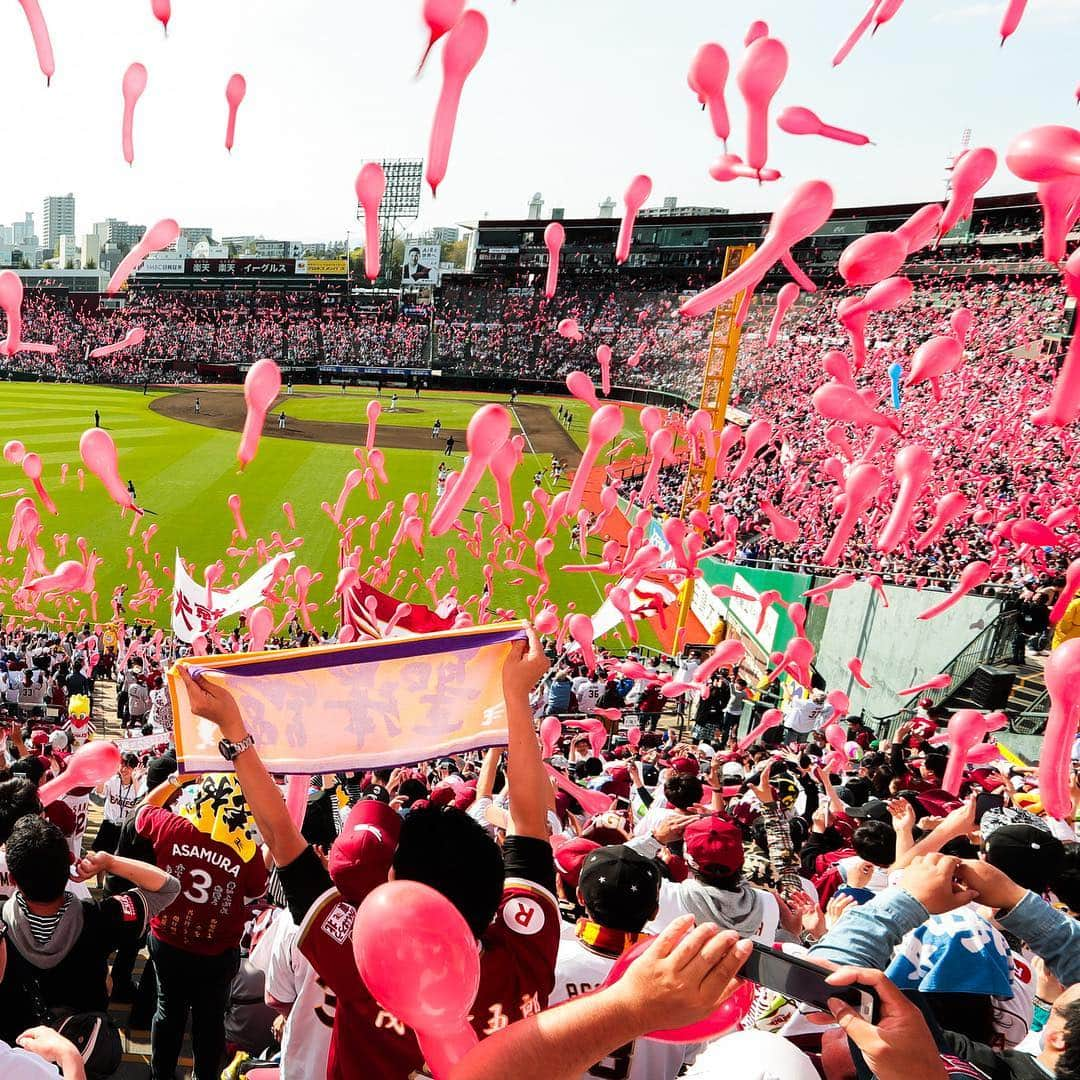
(867,935)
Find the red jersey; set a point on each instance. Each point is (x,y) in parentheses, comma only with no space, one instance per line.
(208,916)
(517,974)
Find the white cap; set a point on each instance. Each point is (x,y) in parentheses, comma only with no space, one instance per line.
(752,1055)
(732,768)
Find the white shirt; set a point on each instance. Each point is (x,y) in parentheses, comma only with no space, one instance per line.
(577,971)
(290,978)
(120,798)
(79,803)
(19,1064)
(805,715)
(588,694)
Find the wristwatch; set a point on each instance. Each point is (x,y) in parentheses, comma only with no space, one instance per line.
(232,750)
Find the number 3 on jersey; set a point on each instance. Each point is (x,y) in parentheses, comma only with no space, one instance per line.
(199,891)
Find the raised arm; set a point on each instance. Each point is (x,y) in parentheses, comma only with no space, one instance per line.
(267,806)
(526,777)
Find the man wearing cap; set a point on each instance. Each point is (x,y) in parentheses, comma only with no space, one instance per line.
(506,898)
(715,890)
(570,854)
(619,890)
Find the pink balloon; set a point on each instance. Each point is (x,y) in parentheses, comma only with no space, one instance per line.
(797,614)
(440,16)
(966,729)
(726,1017)
(787,296)
(569,329)
(1011,19)
(1049,152)
(796,120)
(370,188)
(262,384)
(728,653)
(922,227)
(972,171)
(960,323)
(1063,681)
(802,214)
(461,53)
(872,258)
(1064,404)
(40,33)
(290,515)
(603,358)
(418,958)
(834,735)
(860,490)
(854,665)
(235,91)
(158,236)
(554,238)
(949,508)
(31,464)
(973,575)
(757,435)
(11,297)
(912,468)
(604,426)
(1060,201)
(784,528)
(487,433)
(162,12)
(550,733)
(135,336)
(1072,584)
(581,386)
(835,401)
(68,577)
(234,506)
(757,29)
(708,75)
(886,9)
(98,452)
(580,628)
(634,198)
(935,358)
(14,451)
(840,703)
(260,626)
(133,86)
(296,793)
(547,621)
(633,736)
(730,167)
(87,767)
(770,719)
(763,68)
(936,682)
(592,802)
(853,38)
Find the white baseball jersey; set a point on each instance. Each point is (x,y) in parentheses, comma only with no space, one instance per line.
(291,978)
(577,971)
(79,802)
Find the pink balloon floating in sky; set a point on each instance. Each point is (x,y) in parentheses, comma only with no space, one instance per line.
(370,188)
(157,237)
(162,10)
(42,43)
(440,16)
(796,120)
(235,91)
(133,86)
(461,53)
(639,190)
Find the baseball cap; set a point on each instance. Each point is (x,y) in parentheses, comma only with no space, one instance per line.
(685,766)
(998,818)
(620,888)
(874,810)
(570,854)
(1031,857)
(732,769)
(376,793)
(713,845)
(361,856)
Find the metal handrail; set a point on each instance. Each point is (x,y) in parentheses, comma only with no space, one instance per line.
(992,642)
(1032,721)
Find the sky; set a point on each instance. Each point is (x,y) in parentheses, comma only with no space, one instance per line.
(572,98)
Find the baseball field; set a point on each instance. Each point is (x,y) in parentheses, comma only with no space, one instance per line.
(183,465)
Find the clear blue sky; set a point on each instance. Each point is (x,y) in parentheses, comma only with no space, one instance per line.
(572,98)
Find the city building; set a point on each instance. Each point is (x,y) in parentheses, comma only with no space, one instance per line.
(22,232)
(536,207)
(194,233)
(240,245)
(68,252)
(91,251)
(57,219)
(671,208)
(120,233)
(445,234)
(607,208)
(278,249)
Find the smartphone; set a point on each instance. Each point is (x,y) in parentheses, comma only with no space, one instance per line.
(804,981)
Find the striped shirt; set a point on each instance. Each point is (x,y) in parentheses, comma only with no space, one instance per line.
(42,926)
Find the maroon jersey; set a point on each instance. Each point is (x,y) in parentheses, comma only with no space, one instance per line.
(208,916)
(517,974)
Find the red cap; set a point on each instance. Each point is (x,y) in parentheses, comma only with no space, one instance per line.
(569,855)
(713,844)
(443,795)
(686,766)
(39,738)
(363,853)
(62,816)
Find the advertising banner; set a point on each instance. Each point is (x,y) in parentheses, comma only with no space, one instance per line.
(421,265)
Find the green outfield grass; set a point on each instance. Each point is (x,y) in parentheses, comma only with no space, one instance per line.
(185,473)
